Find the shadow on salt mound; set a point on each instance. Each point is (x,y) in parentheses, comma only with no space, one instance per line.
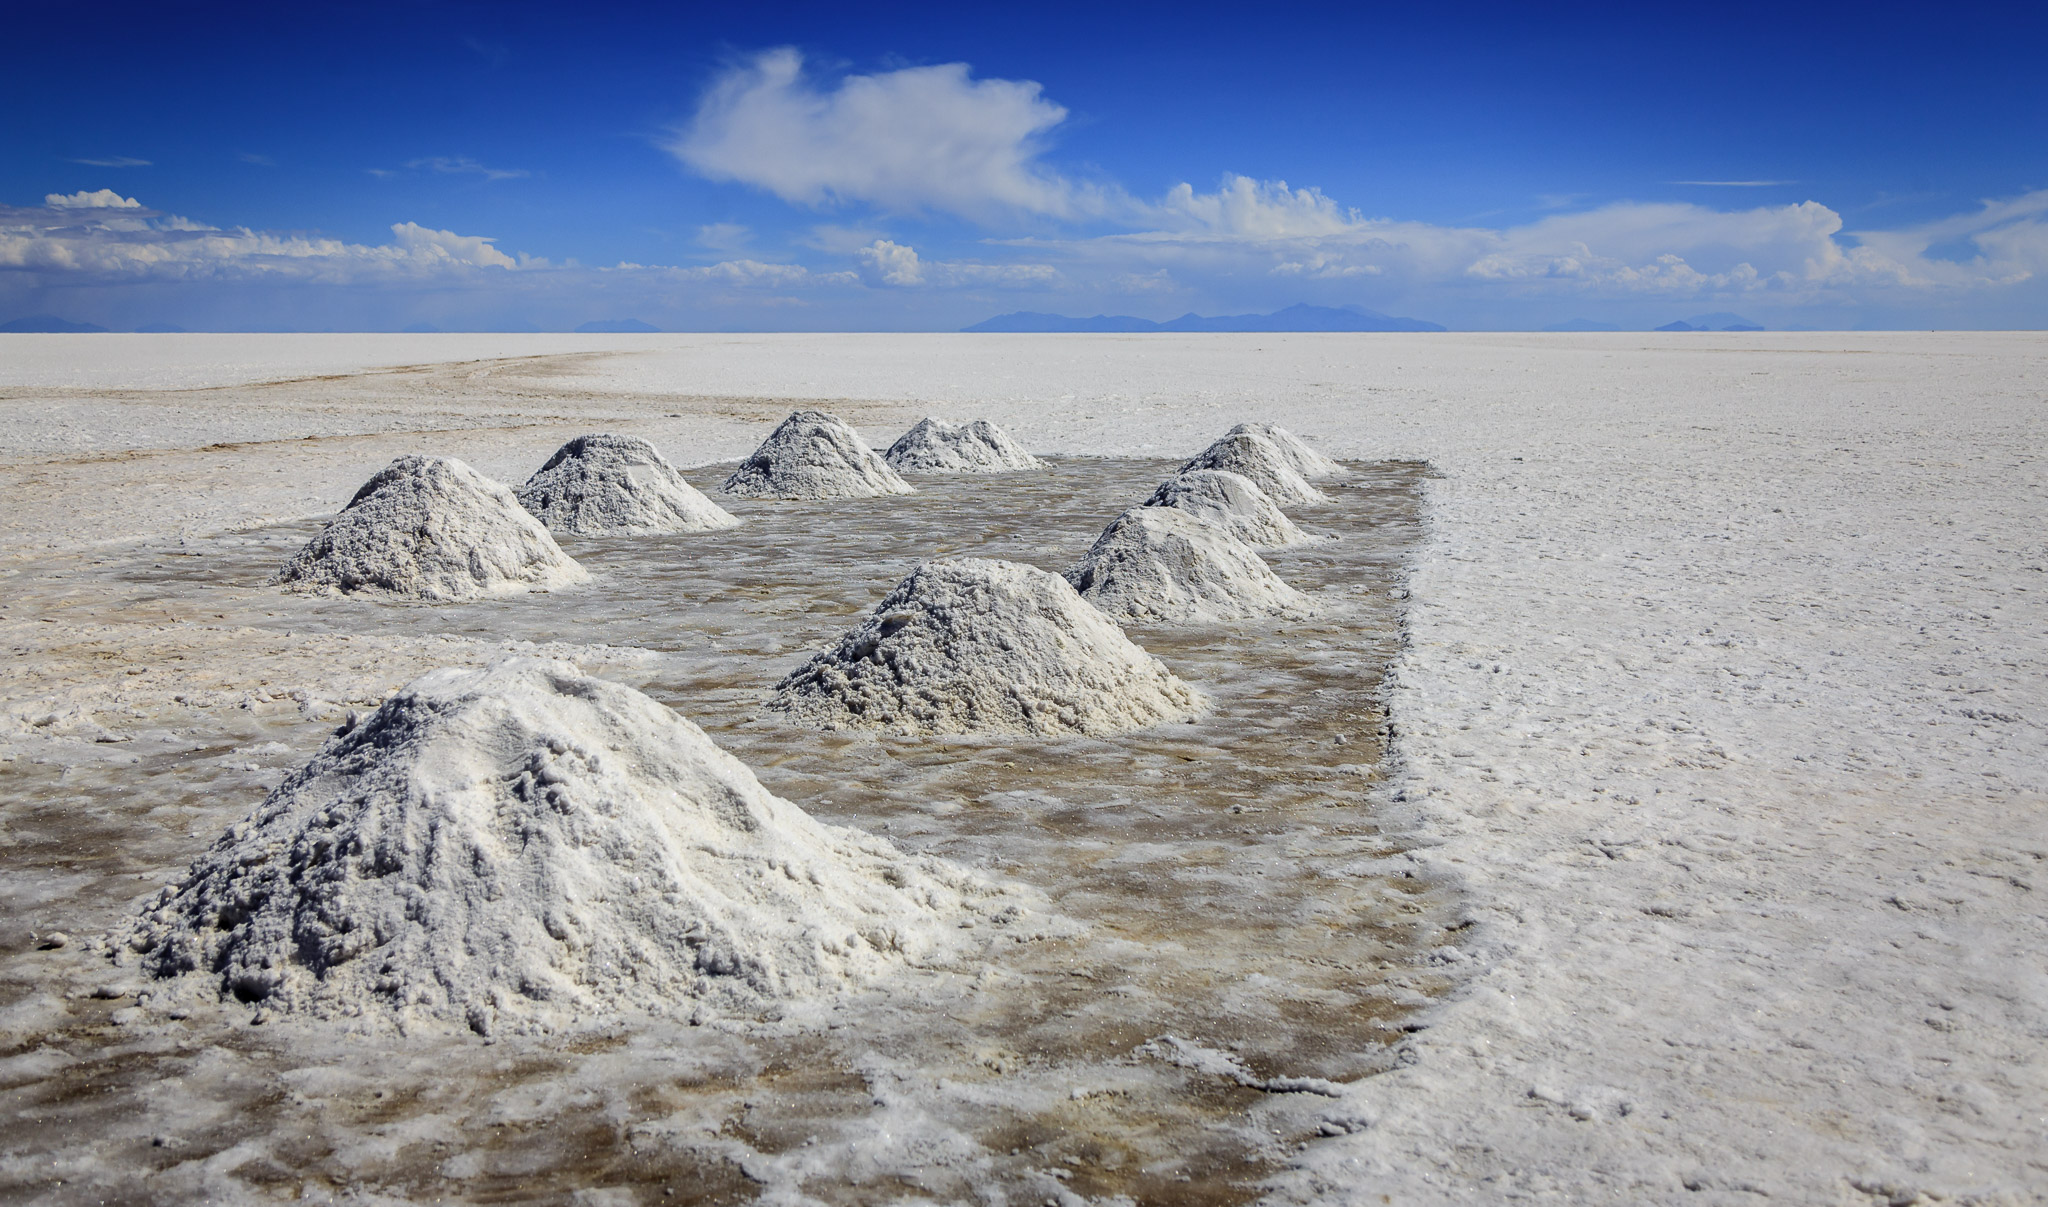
(814,455)
(606,485)
(524,847)
(1257,458)
(974,645)
(1301,458)
(937,447)
(431,528)
(1232,501)
(1163,564)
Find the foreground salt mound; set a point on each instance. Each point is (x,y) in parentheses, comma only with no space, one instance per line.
(1303,459)
(606,485)
(814,455)
(432,528)
(1253,456)
(523,845)
(1164,564)
(980,646)
(937,447)
(1232,501)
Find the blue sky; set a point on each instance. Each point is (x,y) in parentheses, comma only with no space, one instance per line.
(898,166)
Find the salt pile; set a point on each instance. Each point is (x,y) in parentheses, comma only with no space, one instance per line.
(1303,459)
(937,447)
(980,646)
(1257,458)
(519,846)
(1232,501)
(601,485)
(432,528)
(813,455)
(1164,564)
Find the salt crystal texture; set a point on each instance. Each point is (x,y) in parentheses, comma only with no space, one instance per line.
(1233,501)
(432,528)
(980,646)
(523,846)
(1303,459)
(1164,564)
(937,447)
(602,485)
(1257,458)
(814,455)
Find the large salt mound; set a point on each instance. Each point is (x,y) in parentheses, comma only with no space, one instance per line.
(525,845)
(1257,458)
(1164,564)
(980,646)
(601,484)
(937,447)
(813,455)
(431,528)
(1231,500)
(1304,460)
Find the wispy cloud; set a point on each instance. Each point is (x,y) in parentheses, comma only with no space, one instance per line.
(1737,184)
(260,160)
(114,161)
(463,165)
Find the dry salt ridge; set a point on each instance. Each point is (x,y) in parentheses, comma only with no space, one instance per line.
(1233,501)
(814,455)
(1718,710)
(972,645)
(607,485)
(935,446)
(525,847)
(433,529)
(1166,565)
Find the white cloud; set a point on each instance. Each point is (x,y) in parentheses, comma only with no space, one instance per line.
(460,165)
(888,263)
(98,199)
(114,161)
(895,265)
(916,139)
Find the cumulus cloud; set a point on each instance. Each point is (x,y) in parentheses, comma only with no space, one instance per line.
(916,139)
(98,199)
(895,265)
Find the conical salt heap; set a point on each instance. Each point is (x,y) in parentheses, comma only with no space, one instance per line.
(1257,458)
(1233,501)
(605,485)
(1164,564)
(1303,459)
(524,846)
(813,455)
(980,646)
(431,528)
(937,447)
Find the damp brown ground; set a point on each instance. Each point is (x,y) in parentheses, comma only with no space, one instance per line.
(1234,888)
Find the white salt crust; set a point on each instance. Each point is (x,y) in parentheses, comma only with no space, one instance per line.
(1233,501)
(1164,564)
(1257,458)
(606,485)
(431,528)
(1302,458)
(814,455)
(524,847)
(934,446)
(980,646)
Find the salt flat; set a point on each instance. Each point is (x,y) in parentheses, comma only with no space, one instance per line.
(1719,715)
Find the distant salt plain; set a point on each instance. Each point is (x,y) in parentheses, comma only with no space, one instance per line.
(1720,711)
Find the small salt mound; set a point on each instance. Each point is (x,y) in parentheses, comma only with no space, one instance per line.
(1233,501)
(525,845)
(1256,457)
(980,646)
(432,528)
(1164,564)
(937,447)
(601,484)
(813,455)
(1304,460)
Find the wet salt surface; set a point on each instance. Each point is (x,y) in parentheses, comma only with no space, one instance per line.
(1236,892)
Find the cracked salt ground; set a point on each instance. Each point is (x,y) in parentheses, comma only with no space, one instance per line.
(1251,936)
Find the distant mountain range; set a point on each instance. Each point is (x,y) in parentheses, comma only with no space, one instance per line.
(48,324)
(618,327)
(1294,318)
(1582,325)
(1720,320)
